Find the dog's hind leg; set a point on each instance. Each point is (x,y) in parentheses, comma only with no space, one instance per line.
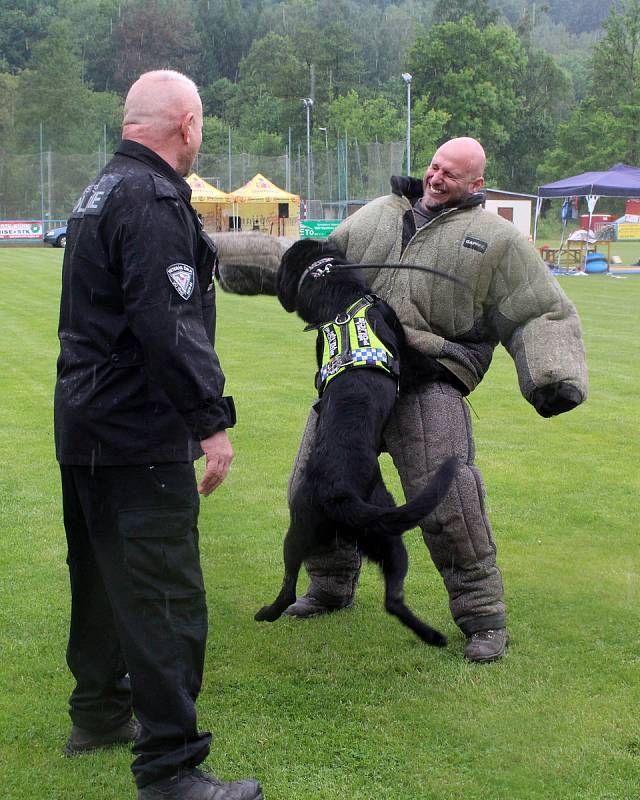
(394,565)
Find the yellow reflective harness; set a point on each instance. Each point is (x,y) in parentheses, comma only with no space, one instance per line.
(349,341)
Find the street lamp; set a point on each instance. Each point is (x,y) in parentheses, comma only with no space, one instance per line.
(406,77)
(326,148)
(308,104)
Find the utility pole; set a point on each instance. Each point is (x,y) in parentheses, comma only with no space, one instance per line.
(406,77)
(308,104)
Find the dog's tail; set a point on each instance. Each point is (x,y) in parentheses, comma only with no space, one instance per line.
(395,521)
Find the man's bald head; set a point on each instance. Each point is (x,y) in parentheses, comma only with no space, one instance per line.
(163,111)
(467,152)
(456,171)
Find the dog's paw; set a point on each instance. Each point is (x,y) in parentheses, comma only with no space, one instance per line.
(267,614)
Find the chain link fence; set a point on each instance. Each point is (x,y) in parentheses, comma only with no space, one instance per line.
(46,186)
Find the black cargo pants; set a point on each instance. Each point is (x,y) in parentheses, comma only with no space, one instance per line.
(138,612)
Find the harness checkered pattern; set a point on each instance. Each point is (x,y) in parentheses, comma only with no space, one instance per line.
(362,356)
(369,355)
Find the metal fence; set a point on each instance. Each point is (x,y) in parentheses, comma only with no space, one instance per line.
(46,186)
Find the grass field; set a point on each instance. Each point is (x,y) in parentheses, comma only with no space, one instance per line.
(352,706)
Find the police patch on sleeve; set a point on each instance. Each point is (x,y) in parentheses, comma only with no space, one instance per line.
(182,278)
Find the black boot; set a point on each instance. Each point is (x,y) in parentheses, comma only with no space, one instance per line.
(84,741)
(485,646)
(194,784)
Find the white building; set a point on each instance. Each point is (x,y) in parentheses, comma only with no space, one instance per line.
(512,206)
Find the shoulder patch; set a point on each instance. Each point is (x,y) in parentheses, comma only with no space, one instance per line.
(475,244)
(163,187)
(94,197)
(182,278)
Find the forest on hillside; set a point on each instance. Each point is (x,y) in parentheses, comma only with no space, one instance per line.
(548,88)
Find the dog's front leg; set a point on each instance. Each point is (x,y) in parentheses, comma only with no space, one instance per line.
(286,597)
(293,557)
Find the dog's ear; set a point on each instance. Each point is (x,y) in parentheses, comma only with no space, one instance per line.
(330,250)
(292,266)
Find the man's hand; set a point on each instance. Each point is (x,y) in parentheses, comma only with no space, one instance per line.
(218,453)
(555,399)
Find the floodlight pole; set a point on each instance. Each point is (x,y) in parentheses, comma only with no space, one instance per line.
(406,77)
(308,104)
(41,182)
(326,149)
(230,185)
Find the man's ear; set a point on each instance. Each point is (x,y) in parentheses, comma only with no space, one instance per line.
(477,184)
(186,126)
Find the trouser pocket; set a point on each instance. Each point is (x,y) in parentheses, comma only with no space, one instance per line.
(161,552)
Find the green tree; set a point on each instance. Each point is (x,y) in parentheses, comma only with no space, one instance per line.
(366,120)
(220,99)
(547,94)
(480,12)
(8,99)
(23,23)
(616,57)
(385,34)
(272,66)
(427,132)
(225,30)
(586,15)
(94,23)
(616,66)
(268,97)
(152,34)
(476,84)
(605,128)
(589,140)
(261,143)
(52,92)
(335,57)
(215,135)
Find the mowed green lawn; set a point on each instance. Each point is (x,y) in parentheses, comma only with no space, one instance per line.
(352,706)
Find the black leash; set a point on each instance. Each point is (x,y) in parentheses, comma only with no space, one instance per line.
(325,266)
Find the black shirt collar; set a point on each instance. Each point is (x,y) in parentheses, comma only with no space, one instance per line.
(132,149)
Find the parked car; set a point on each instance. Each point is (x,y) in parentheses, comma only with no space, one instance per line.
(56,237)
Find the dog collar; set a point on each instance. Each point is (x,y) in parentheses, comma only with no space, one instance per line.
(319,269)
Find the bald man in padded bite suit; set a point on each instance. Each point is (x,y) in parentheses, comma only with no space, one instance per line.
(505,294)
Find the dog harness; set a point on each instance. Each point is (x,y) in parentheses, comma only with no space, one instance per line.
(350,341)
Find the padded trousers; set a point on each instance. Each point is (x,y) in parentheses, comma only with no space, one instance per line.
(138,612)
(425,428)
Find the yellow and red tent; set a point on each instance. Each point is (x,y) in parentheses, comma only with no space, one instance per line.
(261,205)
(211,203)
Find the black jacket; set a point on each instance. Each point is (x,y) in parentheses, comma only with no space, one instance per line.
(138,378)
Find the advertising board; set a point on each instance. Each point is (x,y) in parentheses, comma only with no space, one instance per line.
(20,229)
(317,228)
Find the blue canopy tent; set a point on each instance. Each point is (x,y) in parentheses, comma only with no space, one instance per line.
(619,181)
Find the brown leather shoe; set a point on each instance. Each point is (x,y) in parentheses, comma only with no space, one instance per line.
(485,646)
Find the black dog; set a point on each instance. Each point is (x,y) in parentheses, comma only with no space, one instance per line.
(342,492)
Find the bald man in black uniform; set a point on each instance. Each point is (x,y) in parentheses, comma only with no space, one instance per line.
(139,396)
